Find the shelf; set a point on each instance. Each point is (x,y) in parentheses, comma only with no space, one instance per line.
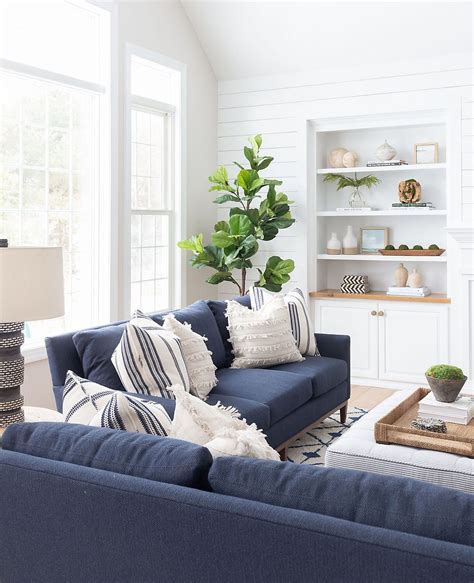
(379,296)
(383,213)
(398,258)
(371,169)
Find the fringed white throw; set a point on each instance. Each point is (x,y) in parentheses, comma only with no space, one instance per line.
(263,337)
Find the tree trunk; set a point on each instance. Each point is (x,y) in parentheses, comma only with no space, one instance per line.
(243,282)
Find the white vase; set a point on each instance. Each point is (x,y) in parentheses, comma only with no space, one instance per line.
(415,279)
(349,243)
(333,246)
(385,152)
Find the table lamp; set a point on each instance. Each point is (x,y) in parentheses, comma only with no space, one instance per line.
(31,288)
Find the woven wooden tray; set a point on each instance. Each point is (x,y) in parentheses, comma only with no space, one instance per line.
(413,252)
(395,428)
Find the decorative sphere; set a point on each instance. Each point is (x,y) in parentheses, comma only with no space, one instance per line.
(335,157)
(349,160)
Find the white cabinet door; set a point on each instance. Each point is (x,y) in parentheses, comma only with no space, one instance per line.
(412,337)
(355,319)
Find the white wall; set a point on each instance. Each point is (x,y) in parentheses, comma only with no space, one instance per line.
(164,27)
(278,106)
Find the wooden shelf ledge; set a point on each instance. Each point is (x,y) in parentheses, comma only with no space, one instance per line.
(379,296)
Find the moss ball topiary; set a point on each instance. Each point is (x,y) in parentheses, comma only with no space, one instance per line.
(389,247)
(433,246)
(418,247)
(403,247)
(446,372)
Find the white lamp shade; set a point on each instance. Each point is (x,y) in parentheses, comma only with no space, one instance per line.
(31,283)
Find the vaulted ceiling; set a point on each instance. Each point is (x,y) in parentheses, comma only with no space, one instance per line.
(247,39)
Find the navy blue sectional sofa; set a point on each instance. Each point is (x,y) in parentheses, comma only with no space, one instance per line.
(282,401)
(92,505)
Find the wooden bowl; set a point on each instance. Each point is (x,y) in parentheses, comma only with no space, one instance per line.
(413,252)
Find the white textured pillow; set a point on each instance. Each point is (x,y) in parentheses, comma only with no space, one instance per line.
(82,398)
(201,369)
(263,337)
(301,325)
(133,414)
(218,428)
(149,358)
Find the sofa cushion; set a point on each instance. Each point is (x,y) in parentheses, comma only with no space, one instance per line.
(218,308)
(397,503)
(324,373)
(161,459)
(251,411)
(202,321)
(95,348)
(281,392)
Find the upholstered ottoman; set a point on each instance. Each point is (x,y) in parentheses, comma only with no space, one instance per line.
(356,449)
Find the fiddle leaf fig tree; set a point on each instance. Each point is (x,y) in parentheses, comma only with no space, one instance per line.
(260,211)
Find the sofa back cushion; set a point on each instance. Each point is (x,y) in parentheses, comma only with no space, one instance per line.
(161,459)
(96,345)
(393,503)
(219,308)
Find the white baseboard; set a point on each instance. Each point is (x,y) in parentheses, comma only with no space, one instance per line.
(381,384)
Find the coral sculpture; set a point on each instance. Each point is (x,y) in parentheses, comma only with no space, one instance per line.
(409,191)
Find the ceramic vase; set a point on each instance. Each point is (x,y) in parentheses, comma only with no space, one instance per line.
(385,152)
(349,243)
(401,275)
(415,279)
(333,246)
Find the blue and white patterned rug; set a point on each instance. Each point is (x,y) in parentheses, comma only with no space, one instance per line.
(311,448)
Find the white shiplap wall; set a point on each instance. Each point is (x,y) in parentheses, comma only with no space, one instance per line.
(277,107)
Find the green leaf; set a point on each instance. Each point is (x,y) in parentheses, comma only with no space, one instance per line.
(265,162)
(219,277)
(222,239)
(269,232)
(220,176)
(240,225)
(276,273)
(194,243)
(222,226)
(249,154)
(258,140)
(226,198)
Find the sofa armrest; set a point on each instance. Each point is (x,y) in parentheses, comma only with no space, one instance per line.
(336,346)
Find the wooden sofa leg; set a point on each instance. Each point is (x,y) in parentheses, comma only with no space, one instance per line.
(283,454)
(343,413)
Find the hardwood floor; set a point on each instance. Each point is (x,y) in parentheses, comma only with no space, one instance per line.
(368,397)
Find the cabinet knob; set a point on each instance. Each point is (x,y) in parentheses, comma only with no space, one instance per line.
(373,313)
(381,313)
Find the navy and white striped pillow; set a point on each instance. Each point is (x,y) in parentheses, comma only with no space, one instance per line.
(133,414)
(82,398)
(149,358)
(301,325)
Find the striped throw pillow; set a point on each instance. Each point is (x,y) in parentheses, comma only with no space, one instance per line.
(133,414)
(149,359)
(82,398)
(301,325)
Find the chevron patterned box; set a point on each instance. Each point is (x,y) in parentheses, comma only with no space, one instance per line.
(355,284)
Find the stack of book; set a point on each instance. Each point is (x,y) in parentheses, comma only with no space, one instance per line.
(413,205)
(375,163)
(411,292)
(461,411)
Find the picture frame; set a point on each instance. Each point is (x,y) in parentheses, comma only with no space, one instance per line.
(372,239)
(426,153)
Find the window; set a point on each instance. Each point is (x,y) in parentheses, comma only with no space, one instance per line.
(153,115)
(53,159)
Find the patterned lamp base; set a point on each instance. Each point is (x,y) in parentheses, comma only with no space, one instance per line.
(12,368)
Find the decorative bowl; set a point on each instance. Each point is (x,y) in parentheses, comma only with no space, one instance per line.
(444,390)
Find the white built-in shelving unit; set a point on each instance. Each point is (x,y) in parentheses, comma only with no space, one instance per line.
(393,340)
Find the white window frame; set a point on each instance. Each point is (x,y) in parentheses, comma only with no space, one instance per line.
(178,187)
(105,309)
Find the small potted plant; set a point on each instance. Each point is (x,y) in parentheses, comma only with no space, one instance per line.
(445,381)
(356,199)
